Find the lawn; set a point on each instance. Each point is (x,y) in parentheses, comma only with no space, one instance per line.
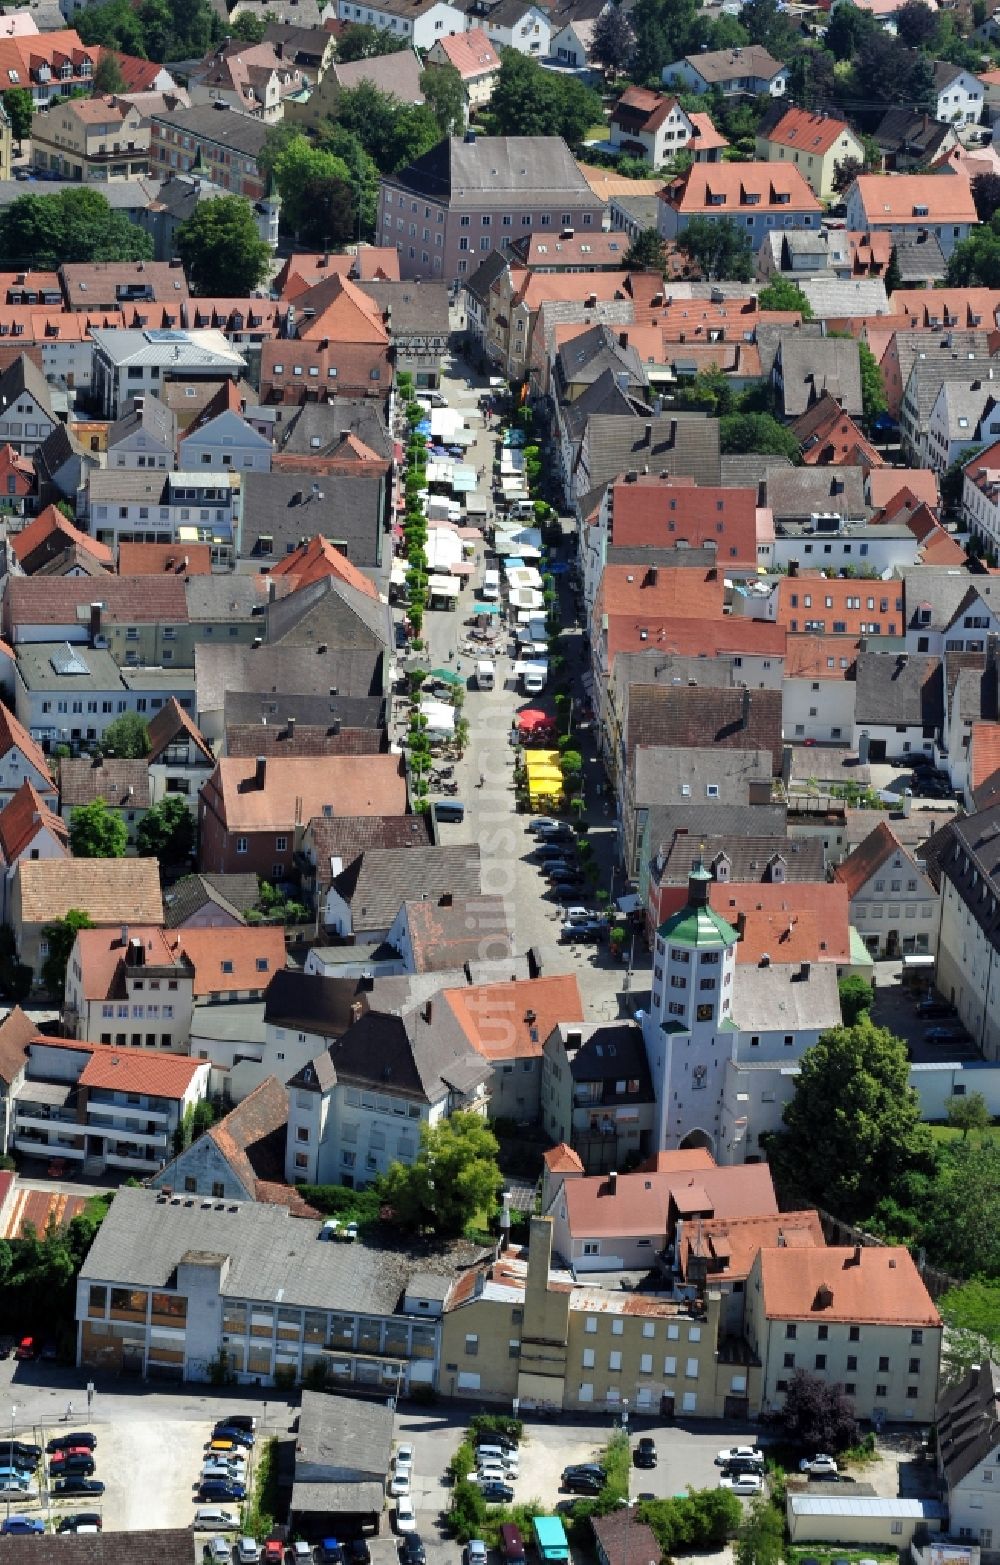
(947,1135)
(824,1555)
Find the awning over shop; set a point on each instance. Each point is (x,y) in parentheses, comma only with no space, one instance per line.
(443,587)
(440,716)
(397,575)
(545,779)
(464,479)
(486,608)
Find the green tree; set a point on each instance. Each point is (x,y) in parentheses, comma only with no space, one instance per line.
(969,1112)
(115,24)
(97,832)
(922,90)
(665,31)
(614,41)
(248,28)
(849,28)
(893,278)
(223,254)
(718,248)
(19,106)
(986,195)
(166,832)
(761,1538)
(758,432)
(647,252)
(856,997)
(127,737)
(811,77)
(361,41)
(59,937)
(454,1177)
(972,1316)
(873,398)
(962,1224)
(852,1128)
(530,101)
(782,294)
(108,78)
(362,171)
(297,168)
(392,133)
(916,25)
(817,1415)
(75,225)
(442,88)
(708,392)
(768,26)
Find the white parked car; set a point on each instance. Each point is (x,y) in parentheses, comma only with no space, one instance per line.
(743,1483)
(217,1551)
(403,1457)
(247,1551)
(819,1463)
(210,1519)
(406,1516)
(738,1453)
(399,1483)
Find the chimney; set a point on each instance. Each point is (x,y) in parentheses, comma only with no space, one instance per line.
(652,576)
(539,1259)
(793,567)
(95,622)
(856,1257)
(445,899)
(272,590)
(647,438)
(428,1011)
(290,728)
(746,707)
(805,970)
(124,936)
(613,1182)
(260,771)
(135,953)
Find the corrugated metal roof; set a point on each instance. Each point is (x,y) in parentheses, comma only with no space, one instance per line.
(877,1505)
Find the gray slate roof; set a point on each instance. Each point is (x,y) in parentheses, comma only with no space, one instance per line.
(270,671)
(327,422)
(662,775)
(416,309)
(234,894)
(899,690)
(240,132)
(809,368)
(149,416)
(499,171)
(677,443)
(794,493)
(750,858)
(316,711)
(289,508)
(377,883)
(165,1545)
(968,1422)
(349,1438)
(778,999)
(273,1255)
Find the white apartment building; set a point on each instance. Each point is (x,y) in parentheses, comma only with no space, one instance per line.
(894,903)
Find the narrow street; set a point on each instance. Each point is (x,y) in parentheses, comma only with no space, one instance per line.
(491,816)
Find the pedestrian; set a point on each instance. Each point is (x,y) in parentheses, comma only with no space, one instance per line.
(69,1412)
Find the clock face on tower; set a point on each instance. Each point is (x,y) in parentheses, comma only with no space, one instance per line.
(699,1075)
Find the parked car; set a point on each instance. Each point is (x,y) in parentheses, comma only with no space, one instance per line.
(75,1462)
(732,1452)
(645,1452)
(21,1526)
(244,1421)
(585,1478)
(76,1521)
(247,1551)
(548,850)
(331,1551)
(406,1518)
(272,1552)
(399,1483)
(540,823)
(496,1492)
(17,1487)
(75,1484)
(240,1437)
(820,1463)
(27,1348)
(302,1552)
(211,1519)
(80,1441)
(947,1033)
(580,933)
(742,1483)
(217,1551)
(412,1551)
(475,1552)
(932,1006)
(358,1552)
(19,1453)
(221,1489)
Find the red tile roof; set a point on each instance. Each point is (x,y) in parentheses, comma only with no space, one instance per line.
(835,602)
(561,1159)
(733,189)
(51,528)
(372,264)
(16,1032)
(136,1070)
(819,657)
(102,957)
(857,869)
(470,53)
(317,559)
(224,965)
(23,817)
(708,638)
(869,1285)
(658,592)
(805,921)
(806,131)
(892,198)
(14,736)
(511,1021)
(300,788)
(137,75)
(655,512)
(885,483)
(729,1245)
(641,1202)
(984,753)
(170,721)
(164,559)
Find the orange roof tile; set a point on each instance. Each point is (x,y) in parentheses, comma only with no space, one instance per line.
(359,785)
(872,1284)
(806,131)
(561,1159)
(857,869)
(470,53)
(659,593)
(23,817)
(343,313)
(656,512)
(807,921)
(819,657)
(319,558)
(51,522)
(102,955)
(724,188)
(511,1021)
(223,965)
(709,638)
(984,753)
(892,198)
(834,602)
(162,559)
(640,1202)
(884,483)
(729,1245)
(170,721)
(136,1070)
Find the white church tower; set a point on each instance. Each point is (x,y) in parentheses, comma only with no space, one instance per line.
(689,1032)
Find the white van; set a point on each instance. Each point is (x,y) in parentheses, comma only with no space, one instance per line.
(533,681)
(485,674)
(523,510)
(490,590)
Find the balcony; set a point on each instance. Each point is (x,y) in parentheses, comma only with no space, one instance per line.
(132,1160)
(122,1111)
(39,1146)
(157,1139)
(36,1117)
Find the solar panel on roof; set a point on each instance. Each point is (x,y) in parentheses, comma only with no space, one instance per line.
(164,334)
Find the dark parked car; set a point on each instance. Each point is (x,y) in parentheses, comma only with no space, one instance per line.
(580,933)
(358,1552)
(331,1552)
(77,1485)
(77,1462)
(586,1478)
(495,1493)
(237,1436)
(645,1452)
(411,1549)
(221,1489)
(77,1519)
(81,1441)
(933,1006)
(19,1453)
(946,1034)
(236,1421)
(549,850)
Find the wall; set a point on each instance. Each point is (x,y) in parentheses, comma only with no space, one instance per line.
(821,709)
